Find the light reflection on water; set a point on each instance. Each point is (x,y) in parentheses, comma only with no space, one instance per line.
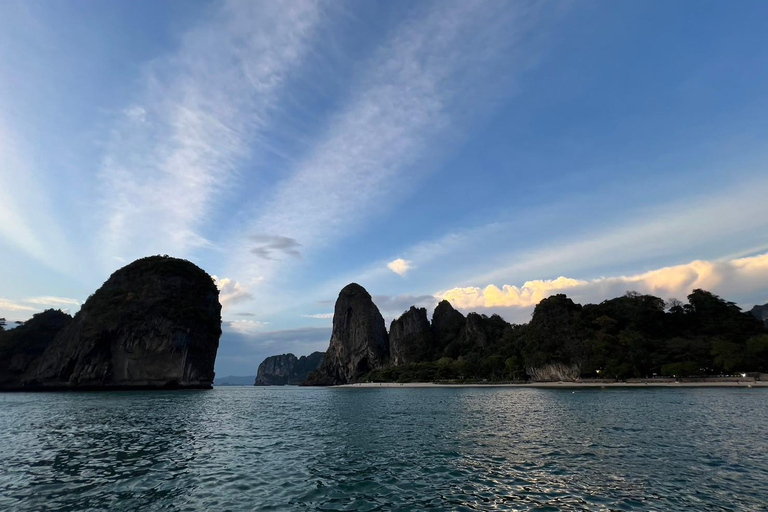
(385,449)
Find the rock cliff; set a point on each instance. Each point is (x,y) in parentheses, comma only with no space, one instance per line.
(359,340)
(761,313)
(21,348)
(410,338)
(155,323)
(447,324)
(287,369)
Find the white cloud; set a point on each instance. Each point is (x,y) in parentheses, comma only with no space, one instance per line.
(407,99)
(230,292)
(136,113)
(319,316)
(244,327)
(53,301)
(26,219)
(741,276)
(200,110)
(399,266)
(9,305)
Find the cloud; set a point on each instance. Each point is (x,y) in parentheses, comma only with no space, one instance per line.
(319,316)
(230,292)
(201,108)
(407,100)
(740,277)
(389,304)
(266,245)
(306,336)
(136,113)
(53,301)
(399,266)
(27,220)
(9,305)
(244,326)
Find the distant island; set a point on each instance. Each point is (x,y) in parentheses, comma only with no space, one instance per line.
(154,324)
(632,336)
(287,369)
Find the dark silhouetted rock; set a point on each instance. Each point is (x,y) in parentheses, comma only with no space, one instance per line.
(359,341)
(21,348)
(761,313)
(234,380)
(556,332)
(287,369)
(155,323)
(410,338)
(447,324)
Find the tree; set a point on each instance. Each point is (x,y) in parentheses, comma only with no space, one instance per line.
(2,324)
(674,305)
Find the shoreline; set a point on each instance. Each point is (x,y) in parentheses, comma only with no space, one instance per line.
(746,383)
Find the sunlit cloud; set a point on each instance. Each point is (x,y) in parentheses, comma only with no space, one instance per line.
(9,305)
(230,292)
(724,277)
(399,266)
(53,301)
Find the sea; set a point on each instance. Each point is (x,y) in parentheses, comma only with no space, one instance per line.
(290,448)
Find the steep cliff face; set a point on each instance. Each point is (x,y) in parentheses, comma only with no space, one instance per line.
(154,324)
(447,324)
(21,348)
(761,313)
(410,338)
(287,369)
(556,331)
(359,341)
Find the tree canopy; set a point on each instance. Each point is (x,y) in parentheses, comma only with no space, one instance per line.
(635,335)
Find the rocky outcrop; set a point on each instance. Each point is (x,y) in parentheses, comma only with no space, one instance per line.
(410,338)
(287,369)
(761,313)
(21,348)
(359,341)
(447,324)
(155,323)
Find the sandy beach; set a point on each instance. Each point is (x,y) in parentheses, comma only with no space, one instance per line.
(746,383)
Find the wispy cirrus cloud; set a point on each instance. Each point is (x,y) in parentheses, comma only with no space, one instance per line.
(9,305)
(182,139)
(319,316)
(407,98)
(52,301)
(26,219)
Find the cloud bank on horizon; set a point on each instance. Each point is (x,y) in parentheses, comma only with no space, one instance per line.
(423,150)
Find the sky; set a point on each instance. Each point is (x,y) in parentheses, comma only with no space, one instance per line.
(489,153)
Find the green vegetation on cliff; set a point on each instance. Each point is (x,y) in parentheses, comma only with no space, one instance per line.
(630,336)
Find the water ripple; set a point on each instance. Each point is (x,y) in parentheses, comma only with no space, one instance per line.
(385,449)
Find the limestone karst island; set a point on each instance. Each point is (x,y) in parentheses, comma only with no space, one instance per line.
(155,324)
(384,255)
(635,338)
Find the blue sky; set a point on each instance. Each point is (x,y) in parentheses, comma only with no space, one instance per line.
(486,152)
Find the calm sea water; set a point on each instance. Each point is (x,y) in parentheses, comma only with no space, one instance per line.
(386,449)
